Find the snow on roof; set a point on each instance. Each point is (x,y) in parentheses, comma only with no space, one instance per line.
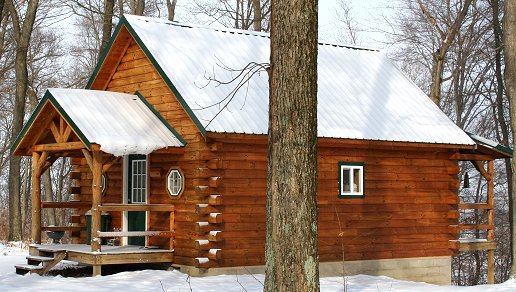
(120,123)
(361,94)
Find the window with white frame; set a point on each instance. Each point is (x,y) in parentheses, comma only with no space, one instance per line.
(351,179)
(138,176)
(175,182)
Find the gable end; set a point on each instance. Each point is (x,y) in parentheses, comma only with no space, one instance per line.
(117,46)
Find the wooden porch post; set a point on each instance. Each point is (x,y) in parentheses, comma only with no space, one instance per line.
(96,199)
(490,220)
(36,199)
(39,165)
(94,160)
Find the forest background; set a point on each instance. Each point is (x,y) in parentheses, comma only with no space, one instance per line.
(452,49)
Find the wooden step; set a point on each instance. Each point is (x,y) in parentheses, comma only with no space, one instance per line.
(53,249)
(38,259)
(24,269)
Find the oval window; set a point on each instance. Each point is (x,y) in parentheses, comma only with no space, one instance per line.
(174,182)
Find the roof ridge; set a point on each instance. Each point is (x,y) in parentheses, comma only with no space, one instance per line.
(240,31)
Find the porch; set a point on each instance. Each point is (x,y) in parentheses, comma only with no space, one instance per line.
(43,257)
(480,236)
(99,128)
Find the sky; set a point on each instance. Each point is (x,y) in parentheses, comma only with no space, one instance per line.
(368,15)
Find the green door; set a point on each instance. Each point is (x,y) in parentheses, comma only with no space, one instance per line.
(136,222)
(137,194)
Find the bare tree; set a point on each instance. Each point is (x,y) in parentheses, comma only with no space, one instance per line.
(22,33)
(2,4)
(137,7)
(257,15)
(291,256)
(509,41)
(171,8)
(241,14)
(471,94)
(446,31)
(345,16)
(107,24)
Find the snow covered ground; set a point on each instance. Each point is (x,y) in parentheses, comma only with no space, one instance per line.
(152,280)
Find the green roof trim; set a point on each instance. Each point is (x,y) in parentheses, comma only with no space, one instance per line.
(490,144)
(504,149)
(162,119)
(123,22)
(47,97)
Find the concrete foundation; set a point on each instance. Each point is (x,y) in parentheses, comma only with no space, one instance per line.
(435,270)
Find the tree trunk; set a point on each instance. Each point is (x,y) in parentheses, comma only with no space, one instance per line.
(132,6)
(501,121)
(437,77)
(291,256)
(446,38)
(171,7)
(24,195)
(509,40)
(237,14)
(107,25)
(22,34)
(140,7)
(120,8)
(257,15)
(49,196)
(2,4)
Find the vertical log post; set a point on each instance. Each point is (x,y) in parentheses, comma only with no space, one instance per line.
(36,199)
(96,186)
(172,228)
(490,220)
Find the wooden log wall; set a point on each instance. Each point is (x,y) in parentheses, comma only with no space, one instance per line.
(410,202)
(410,196)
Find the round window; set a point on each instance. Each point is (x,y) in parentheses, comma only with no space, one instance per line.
(174,182)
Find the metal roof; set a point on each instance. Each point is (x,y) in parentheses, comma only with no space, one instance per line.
(120,123)
(502,151)
(361,94)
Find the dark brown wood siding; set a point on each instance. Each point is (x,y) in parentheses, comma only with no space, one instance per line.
(409,203)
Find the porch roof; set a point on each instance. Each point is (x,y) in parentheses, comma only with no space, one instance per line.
(120,123)
(490,147)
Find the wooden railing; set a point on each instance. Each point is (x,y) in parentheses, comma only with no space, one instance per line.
(115,208)
(140,207)
(478,244)
(63,205)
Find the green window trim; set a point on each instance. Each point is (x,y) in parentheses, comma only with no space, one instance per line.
(351,179)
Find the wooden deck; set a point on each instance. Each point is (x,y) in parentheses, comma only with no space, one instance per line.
(109,255)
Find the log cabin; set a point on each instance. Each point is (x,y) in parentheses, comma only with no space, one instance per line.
(168,144)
